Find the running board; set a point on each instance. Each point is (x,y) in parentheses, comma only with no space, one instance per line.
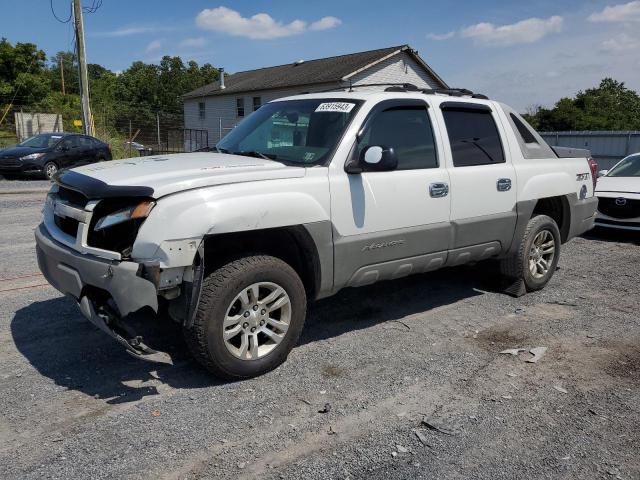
(134,346)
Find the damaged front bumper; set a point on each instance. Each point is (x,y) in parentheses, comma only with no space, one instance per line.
(98,285)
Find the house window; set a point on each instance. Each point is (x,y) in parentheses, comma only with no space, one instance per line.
(257,103)
(201,110)
(240,107)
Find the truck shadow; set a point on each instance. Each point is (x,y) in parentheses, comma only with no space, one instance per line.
(54,337)
(359,308)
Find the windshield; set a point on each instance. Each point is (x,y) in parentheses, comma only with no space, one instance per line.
(629,167)
(292,131)
(41,141)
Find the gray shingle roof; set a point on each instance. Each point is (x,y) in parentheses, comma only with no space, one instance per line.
(310,72)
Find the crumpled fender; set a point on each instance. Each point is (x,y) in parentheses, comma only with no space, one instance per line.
(231,208)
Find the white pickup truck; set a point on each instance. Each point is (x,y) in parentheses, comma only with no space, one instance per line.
(308,195)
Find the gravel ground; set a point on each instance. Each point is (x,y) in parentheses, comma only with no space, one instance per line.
(22,185)
(397,380)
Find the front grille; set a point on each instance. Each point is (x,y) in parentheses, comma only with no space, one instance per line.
(67,225)
(10,162)
(611,207)
(74,198)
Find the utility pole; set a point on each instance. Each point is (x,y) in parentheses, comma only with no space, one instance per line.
(61,74)
(158,125)
(87,124)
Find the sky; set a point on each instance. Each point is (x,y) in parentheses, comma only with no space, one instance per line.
(524,53)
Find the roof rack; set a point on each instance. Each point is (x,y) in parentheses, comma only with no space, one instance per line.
(397,87)
(410,87)
(455,92)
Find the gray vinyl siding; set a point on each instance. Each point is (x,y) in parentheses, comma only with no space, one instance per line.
(400,68)
(220,110)
(221,114)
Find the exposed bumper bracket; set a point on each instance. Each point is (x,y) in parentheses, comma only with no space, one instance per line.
(111,324)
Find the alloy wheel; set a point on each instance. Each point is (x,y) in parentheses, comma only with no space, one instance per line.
(541,254)
(50,170)
(257,320)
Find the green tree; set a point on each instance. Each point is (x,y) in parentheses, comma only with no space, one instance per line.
(610,106)
(23,72)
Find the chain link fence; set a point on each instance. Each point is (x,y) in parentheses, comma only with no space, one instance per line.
(130,134)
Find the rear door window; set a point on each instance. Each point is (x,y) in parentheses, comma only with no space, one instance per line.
(473,136)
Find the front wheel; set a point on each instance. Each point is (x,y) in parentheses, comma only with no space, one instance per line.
(249,317)
(50,169)
(537,257)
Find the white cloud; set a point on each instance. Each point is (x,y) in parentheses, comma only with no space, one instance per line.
(128,31)
(325,23)
(193,42)
(526,31)
(625,12)
(259,26)
(153,46)
(620,44)
(441,36)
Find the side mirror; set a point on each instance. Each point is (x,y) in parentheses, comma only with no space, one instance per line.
(374,158)
(602,173)
(63,148)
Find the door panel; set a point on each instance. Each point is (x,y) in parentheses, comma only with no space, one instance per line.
(382,217)
(479,211)
(483,181)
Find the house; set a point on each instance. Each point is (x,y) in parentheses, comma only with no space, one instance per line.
(218,107)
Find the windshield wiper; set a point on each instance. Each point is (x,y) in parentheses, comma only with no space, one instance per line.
(221,150)
(256,154)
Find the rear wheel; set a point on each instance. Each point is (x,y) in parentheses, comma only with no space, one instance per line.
(250,316)
(49,170)
(537,257)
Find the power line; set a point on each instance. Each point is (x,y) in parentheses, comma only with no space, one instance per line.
(93,8)
(56,16)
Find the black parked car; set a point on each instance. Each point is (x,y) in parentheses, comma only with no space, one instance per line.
(47,153)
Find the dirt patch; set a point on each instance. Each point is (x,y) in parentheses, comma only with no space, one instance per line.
(500,337)
(625,361)
(331,371)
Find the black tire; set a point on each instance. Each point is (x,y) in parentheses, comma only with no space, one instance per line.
(49,170)
(517,267)
(219,289)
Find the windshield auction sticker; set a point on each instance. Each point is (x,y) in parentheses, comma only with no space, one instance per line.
(343,107)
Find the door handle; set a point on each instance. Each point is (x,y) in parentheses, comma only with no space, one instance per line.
(437,190)
(503,184)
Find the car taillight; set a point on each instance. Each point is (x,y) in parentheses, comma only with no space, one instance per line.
(593,165)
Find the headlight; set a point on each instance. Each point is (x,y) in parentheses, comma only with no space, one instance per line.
(141,210)
(32,156)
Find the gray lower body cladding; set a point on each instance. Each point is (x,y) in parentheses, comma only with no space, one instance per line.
(71,272)
(355,252)
(368,258)
(583,214)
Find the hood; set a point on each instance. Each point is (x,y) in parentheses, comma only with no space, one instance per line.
(17,151)
(618,185)
(160,175)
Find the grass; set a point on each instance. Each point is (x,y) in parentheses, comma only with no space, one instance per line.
(7,138)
